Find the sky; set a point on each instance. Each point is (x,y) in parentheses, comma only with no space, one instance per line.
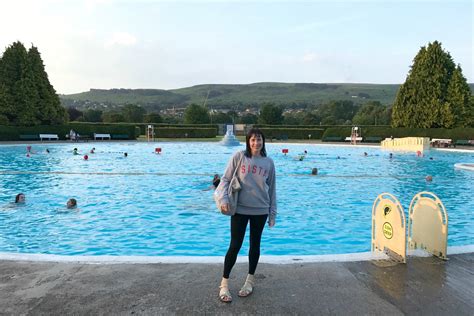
(151,44)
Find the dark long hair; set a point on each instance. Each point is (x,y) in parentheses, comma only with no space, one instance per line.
(254,131)
(17,197)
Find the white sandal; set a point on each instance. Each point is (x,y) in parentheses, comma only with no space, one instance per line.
(224,294)
(247,288)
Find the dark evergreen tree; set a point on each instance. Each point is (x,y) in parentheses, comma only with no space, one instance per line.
(17,80)
(47,101)
(434,93)
(27,97)
(5,109)
(458,96)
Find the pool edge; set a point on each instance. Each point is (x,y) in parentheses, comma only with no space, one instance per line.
(286,259)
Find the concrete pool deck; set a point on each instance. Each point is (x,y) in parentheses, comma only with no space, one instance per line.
(425,285)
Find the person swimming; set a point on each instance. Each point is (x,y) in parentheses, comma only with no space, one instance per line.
(215,181)
(71,203)
(314,171)
(75,152)
(20,198)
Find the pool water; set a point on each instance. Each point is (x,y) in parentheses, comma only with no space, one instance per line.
(156,205)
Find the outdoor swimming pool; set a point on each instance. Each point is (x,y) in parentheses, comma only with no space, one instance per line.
(154,205)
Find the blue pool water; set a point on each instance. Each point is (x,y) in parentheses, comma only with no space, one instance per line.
(148,204)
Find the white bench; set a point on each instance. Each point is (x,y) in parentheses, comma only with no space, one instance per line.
(49,136)
(442,140)
(101,136)
(358,139)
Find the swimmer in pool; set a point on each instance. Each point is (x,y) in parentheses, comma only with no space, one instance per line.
(71,204)
(20,198)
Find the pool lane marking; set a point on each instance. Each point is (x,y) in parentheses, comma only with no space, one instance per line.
(195,174)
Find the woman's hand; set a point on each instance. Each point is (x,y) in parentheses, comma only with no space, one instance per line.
(271,222)
(225,207)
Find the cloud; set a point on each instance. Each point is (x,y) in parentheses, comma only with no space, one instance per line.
(309,57)
(93,4)
(121,39)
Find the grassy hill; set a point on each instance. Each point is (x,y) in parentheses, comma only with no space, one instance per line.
(229,96)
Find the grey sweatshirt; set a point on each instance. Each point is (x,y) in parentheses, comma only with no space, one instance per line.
(257,179)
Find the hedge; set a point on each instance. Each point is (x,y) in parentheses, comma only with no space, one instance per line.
(292,133)
(12,133)
(386,132)
(143,126)
(185,132)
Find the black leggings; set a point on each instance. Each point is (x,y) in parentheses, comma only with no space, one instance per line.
(238,225)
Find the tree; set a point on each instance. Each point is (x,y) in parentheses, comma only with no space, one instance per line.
(27,96)
(336,112)
(301,118)
(74,114)
(17,79)
(92,115)
(113,117)
(221,118)
(5,109)
(270,114)
(47,101)
(293,118)
(435,93)
(311,119)
(152,118)
(372,113)
(234,116)
(249,119)
(133,113)
(458,99)
(172,119)
(196,114)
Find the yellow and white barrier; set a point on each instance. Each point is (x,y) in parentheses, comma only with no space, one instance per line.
(388,227)
(407,144)
(428,224)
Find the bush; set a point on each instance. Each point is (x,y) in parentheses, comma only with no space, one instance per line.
(292,133)
(84,129)
(386,132)
(185,132)
(164,125)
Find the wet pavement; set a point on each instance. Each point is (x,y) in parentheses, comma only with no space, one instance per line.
(423,286)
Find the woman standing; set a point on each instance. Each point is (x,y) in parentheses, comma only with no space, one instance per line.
(256,203)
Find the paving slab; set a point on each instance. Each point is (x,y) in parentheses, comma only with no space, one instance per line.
(423,286)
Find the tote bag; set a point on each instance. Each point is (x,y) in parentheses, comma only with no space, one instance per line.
(232,192)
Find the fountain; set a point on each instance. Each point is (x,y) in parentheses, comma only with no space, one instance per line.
(229,138)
